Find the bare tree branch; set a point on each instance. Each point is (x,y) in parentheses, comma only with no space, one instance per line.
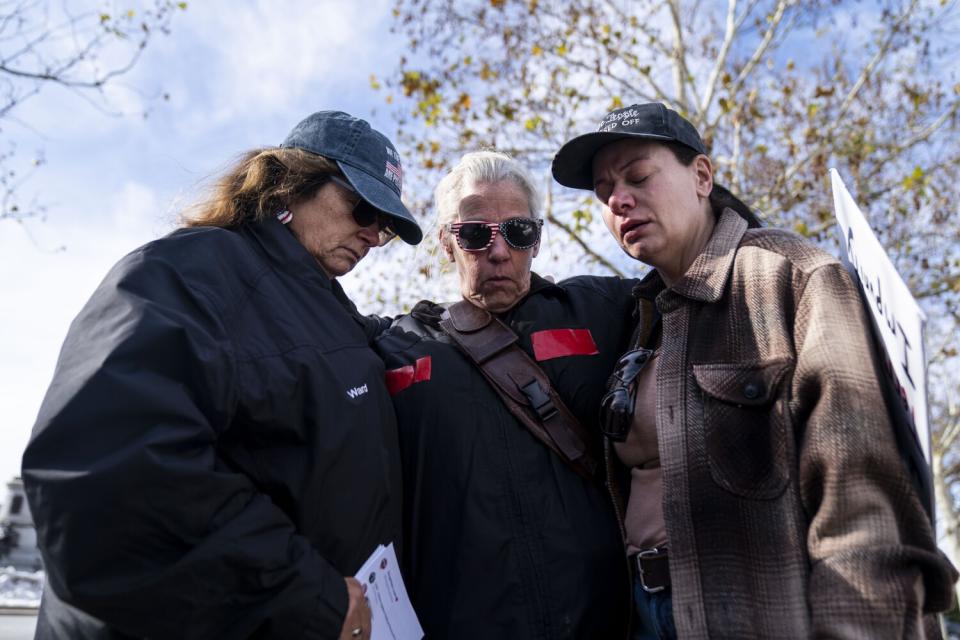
(721,62)
(573,235)
(764,44)
(924,134)
(42,45)
(678,55)
(854,90)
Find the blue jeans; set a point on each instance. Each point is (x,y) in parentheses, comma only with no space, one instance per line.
(654,614)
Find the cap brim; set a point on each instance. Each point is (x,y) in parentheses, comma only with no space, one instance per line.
(573,164)
(386,200)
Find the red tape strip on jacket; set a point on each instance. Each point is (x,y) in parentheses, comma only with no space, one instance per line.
(399,379)
(557,343)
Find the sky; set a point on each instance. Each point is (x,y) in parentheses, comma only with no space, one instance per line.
(240,75)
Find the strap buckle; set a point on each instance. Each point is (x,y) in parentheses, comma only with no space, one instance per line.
(539,400)
(651,554)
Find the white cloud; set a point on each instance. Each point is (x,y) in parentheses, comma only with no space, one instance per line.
(318,40)
(136,210)
(43,290)
(261,57)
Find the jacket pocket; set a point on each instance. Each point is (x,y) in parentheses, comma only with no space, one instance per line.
(745,426)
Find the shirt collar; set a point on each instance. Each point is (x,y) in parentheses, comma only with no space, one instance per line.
(284,250)
(538,284)
(706,278)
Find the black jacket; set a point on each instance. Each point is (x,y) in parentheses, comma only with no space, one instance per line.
(504,540)
(217,448)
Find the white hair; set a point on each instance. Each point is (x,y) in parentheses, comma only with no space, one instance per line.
(482,167)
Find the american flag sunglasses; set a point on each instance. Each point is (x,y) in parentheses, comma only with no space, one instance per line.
(520,233)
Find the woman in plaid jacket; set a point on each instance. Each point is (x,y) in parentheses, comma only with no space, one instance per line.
(767,498)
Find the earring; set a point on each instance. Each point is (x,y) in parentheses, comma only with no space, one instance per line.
(285,216)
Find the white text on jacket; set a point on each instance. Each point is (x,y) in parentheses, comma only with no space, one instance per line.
(357,391)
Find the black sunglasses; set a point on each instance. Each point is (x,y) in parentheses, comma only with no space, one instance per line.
(616,406)
(520,233)
(365,214)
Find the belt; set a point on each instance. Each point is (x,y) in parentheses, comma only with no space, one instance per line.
(653,569)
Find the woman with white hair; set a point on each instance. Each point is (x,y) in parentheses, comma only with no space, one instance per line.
(506,535)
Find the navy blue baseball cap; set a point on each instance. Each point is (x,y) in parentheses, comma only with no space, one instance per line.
(365,156)
(573,164)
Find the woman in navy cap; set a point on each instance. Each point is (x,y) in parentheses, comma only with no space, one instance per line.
(217,454)
(764,493)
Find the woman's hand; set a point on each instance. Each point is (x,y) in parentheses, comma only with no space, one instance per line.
(358,613)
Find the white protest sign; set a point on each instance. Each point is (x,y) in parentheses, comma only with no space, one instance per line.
(897,316)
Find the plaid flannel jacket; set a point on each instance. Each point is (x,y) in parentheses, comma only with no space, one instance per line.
(789,511)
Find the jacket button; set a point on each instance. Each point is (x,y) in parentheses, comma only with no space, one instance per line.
(751,391)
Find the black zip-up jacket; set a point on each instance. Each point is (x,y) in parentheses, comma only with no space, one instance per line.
(503,539)
(217,448)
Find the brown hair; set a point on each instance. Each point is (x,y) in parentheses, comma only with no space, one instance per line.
(261,184)
(720,197)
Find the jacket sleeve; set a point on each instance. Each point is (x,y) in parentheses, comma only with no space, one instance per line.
(875,566)
(141,523)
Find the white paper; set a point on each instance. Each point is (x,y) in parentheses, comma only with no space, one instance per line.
(393,614)
(897,315)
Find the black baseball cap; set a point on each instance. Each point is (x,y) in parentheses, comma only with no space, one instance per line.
(573,164)
(365,156)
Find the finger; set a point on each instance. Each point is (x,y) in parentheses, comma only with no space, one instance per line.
(366,617)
